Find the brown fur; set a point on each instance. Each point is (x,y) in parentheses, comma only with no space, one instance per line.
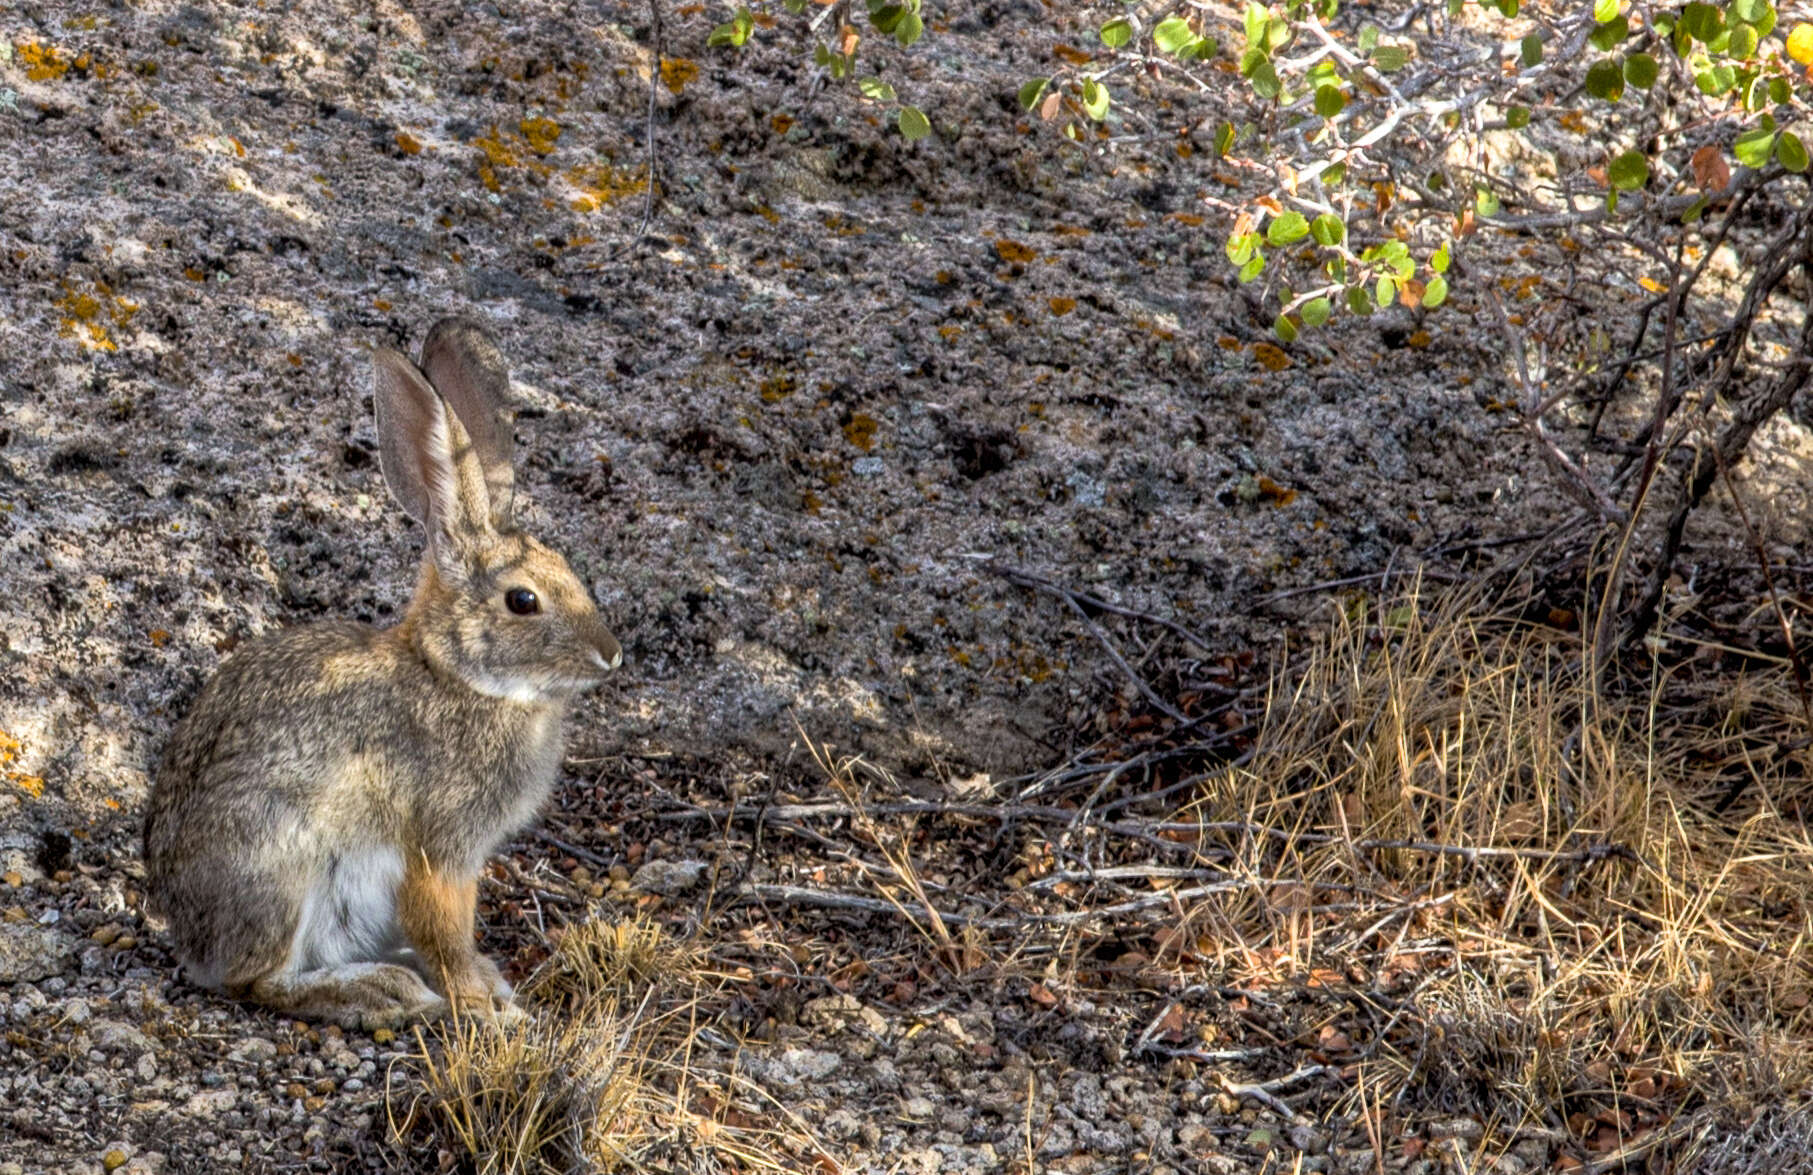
(322,812)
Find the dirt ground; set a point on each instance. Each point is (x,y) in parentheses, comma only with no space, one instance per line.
(783,435)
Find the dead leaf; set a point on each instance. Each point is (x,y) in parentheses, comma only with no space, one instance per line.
(1710,171)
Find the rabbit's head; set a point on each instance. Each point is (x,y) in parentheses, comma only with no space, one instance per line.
(494,607)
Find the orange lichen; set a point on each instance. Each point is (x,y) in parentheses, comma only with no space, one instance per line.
(540,133)
(43,63)
(1270,357)
(600,185)
(85,315)
(408,144)
(860,431)
(1013,251)
(10,750)
(678,72)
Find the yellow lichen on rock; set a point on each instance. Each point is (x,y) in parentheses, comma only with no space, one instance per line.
(43,63)
(601,185)
(86,315)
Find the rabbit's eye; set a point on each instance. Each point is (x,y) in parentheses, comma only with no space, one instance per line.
(522,601)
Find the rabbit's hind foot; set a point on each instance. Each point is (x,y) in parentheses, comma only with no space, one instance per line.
(366,996)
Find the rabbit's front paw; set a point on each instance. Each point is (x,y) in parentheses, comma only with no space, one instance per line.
(493,979)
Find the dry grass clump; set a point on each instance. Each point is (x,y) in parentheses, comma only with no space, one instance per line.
(1577,894)
(599,1076)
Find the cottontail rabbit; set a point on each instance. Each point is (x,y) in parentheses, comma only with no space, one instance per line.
(321,814)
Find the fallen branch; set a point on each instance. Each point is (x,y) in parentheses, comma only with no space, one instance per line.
(1265,1092)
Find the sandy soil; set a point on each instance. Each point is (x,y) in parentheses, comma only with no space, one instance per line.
(781,434)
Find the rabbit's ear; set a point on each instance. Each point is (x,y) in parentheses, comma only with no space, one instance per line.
(468,370)
(425,454)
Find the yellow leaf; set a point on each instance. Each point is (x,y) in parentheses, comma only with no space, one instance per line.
(1800,44)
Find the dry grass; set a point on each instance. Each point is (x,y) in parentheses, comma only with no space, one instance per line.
(599,1077)
(1574,911)
(1532,867)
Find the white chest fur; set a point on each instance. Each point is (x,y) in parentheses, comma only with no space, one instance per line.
(350,912)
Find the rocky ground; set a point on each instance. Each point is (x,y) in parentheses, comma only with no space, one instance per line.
(782,434)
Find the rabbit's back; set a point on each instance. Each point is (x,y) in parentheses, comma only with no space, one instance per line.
(265,732)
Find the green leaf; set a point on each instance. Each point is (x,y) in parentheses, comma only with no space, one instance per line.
(1752,148)
(885,17)
(1440,259)
(1604,10)
(1117,32)
(1436,292)
(1715,81)
(1315,312)
(1173,35)
(1791,152)
(1485,202)
(1265,80)
(1358,300)
(1641,70)
(1369,38)
(1695,210)
(1750,11)
(1335,175)
(1629,171)
(1610,34)
(1385,291)
(1032,91)
(913,123)
(1702,22)
(1605,79)
(1285,329)
(734,32)
(1287,229)
(1529,51)
(1254,21)
(1240,249)
(1328,229)
(910,29)
(877,89)
(1329,101)
(1390,58)
(1251,269)
(1517,117)
(1095,99)
(1780,91)
(1224,140)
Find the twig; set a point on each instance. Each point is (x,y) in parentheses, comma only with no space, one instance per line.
(572,850)
(1027,579)
(1265,1092)
(656,34)
(1573,479)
